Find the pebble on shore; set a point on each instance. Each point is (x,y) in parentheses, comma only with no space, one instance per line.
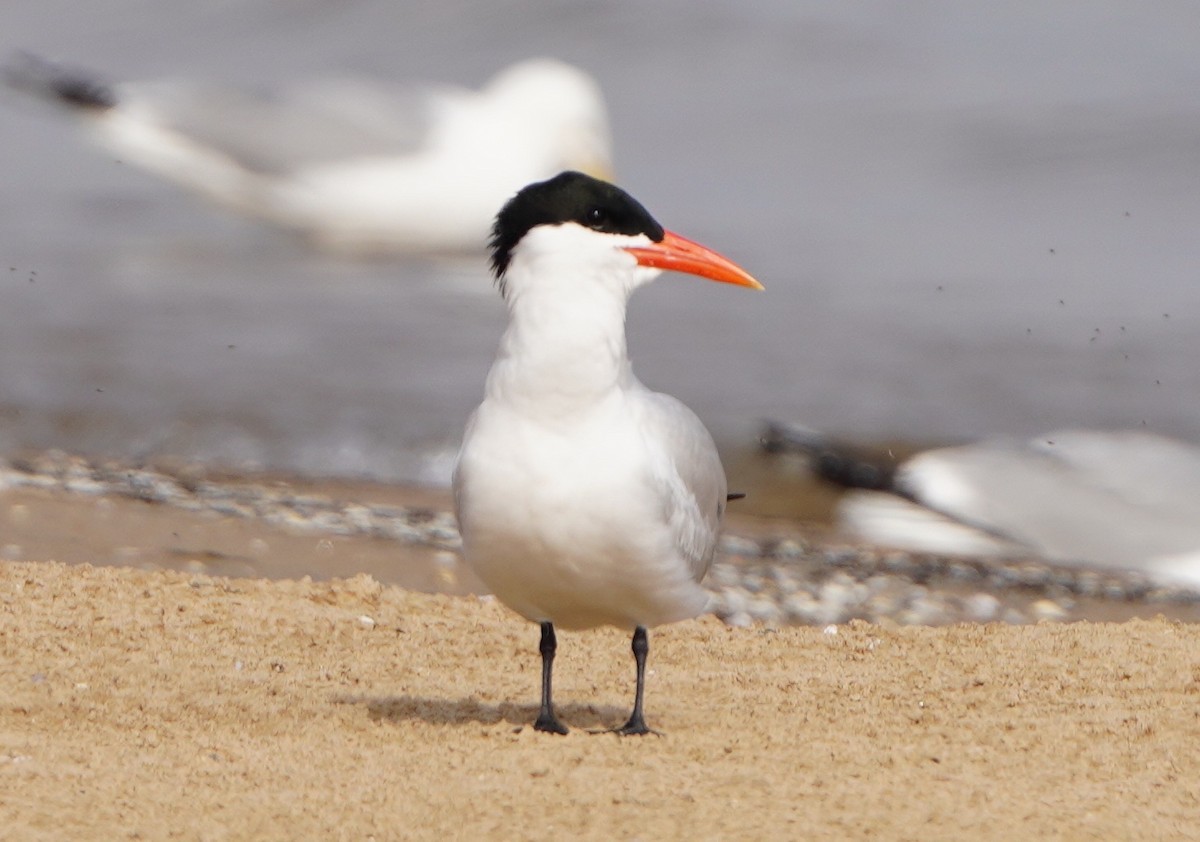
(773,581)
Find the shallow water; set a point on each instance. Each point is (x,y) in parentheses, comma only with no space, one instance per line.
(969,222)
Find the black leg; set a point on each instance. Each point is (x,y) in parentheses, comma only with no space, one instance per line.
(641,647)
(546,720)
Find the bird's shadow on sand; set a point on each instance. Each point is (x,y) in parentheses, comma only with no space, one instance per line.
(469,710)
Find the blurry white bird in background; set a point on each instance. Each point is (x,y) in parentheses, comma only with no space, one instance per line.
(1120,499)
(353,165)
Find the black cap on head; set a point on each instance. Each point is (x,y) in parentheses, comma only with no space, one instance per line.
(568,197)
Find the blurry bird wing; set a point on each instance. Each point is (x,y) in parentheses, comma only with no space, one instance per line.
(281,131)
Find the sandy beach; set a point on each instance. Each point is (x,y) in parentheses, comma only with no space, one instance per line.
(155,704)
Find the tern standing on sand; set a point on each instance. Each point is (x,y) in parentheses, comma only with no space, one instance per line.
(584,498)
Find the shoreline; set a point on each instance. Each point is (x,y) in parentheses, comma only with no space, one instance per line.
(771,570)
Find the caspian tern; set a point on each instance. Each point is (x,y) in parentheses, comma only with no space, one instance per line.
(353,165)
(583,498)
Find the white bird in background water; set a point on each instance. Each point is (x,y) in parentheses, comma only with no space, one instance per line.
(583,498)
(355,166)
(1124,499)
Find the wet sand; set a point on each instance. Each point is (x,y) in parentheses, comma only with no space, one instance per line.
(161,704)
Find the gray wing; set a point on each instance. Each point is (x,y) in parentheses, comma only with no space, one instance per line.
(1108,498)
(262,129)
(279,131)
(287,129)
(692,478)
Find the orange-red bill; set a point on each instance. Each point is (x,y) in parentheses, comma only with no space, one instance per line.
(679,254)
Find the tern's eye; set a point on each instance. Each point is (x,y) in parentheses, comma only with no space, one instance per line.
(596,217)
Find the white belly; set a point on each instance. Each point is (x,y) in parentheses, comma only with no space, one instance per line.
(572,527)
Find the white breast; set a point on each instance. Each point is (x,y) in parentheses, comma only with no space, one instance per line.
(579,523)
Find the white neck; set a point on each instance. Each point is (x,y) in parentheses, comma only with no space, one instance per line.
(560,354)
(564,350)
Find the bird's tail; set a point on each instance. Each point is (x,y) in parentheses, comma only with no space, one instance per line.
(66,86)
